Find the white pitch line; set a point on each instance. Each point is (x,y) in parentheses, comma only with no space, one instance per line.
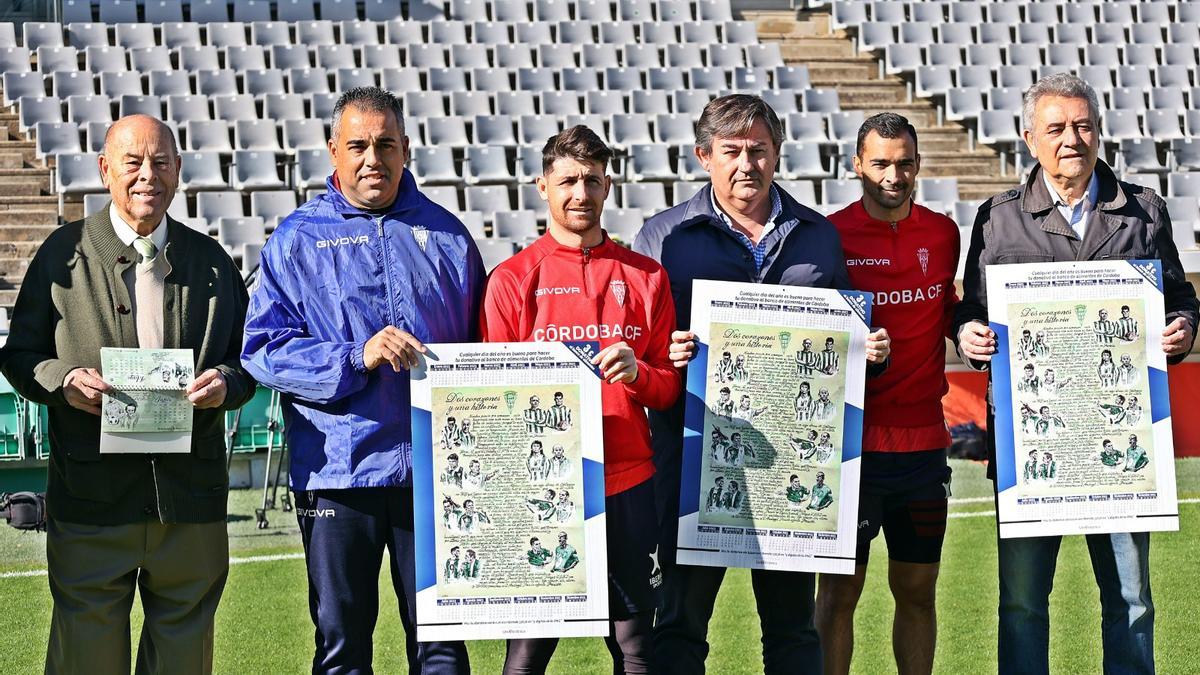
(300,556)
(232,561)
(27,573)
(980,514)
(971,500)
(266,558)
(971,514)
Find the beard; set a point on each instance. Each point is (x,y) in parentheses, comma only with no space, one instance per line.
(887,200)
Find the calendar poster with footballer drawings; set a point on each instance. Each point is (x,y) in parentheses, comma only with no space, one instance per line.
(1079,384)
(508,491)
(773,427)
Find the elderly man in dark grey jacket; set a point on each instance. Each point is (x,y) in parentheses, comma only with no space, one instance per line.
(1072,207)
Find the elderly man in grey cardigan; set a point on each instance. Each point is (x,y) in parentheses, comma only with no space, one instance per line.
(129,276)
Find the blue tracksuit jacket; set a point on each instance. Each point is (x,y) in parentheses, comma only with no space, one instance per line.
(331,277)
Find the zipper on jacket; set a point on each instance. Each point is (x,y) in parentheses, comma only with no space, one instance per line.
(895,240)
(587,257)
(387,273)
(157,497)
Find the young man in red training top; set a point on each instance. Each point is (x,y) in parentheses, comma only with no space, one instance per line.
(907,256)
(575,277)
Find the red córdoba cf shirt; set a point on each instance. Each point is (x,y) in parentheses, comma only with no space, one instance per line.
(909,267)
(554,293)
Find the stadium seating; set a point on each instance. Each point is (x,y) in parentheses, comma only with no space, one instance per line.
(1141,57)
(250,86)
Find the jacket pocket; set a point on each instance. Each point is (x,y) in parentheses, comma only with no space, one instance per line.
(208,447)
(1020,257)
(208,477)
(89,480)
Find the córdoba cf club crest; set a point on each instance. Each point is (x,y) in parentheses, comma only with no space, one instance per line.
(923,258)
(421,235)
(618,291)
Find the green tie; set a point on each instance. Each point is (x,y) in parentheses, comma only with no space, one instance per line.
(145,248)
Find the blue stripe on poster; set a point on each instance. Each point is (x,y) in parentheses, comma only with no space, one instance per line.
(694,410)
(1160,395)
(1150,269)
(1006,467)
(593,488)
(422,462)
(852,422)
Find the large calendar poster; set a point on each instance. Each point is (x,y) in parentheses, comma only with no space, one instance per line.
(1079,383)
(509,492)
(773,427)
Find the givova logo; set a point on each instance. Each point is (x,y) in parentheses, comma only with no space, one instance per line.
(343,241)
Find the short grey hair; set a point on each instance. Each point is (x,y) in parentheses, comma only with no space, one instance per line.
(367,99)
(732,116)
(1066,85)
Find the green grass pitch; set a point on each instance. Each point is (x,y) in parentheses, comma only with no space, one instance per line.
(263,624)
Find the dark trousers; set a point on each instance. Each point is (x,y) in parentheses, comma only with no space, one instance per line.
(345,533)
(178,569)
(785,603)
(785,600)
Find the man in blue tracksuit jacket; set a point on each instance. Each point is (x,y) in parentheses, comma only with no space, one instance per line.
(350,286)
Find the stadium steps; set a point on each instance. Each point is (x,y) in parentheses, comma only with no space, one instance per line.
(27,182)
(19,249)
(13,267)
(979,188)
(805,38)
(25,222)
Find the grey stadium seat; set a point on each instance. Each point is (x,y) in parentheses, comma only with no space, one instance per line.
(94,135)
(518,225)
(254,170)
(240,107)
(54,138)
(57,59)
(149,59)
(433,165)
(72,83)
(204,11)
(75,173)
(650,102)
(650,198)
(272,205)
(263,82)
(486,164)
(839,192)
(802,160)
(487,199)
(15,59)
(87,34)
(84,109)
(255,135)
(301,134)
(494,130)
(201,171)
(312,168)
(223,204)
(17,85)
(648,162)
(212,135)
(34,109)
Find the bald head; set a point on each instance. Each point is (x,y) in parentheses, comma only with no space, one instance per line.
(139,125)
(140,167)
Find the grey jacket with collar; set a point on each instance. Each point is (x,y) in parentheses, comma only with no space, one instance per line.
(1023,226)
